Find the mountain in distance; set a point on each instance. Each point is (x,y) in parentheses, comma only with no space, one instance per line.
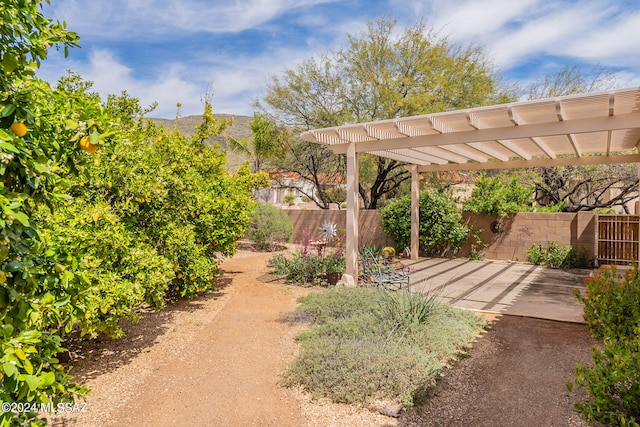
(239,129)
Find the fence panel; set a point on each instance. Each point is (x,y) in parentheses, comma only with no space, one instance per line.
(618,239)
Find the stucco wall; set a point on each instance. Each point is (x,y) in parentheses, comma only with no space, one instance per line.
(518,232)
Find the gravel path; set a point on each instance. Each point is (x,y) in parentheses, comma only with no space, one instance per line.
(217,360)
(515,375)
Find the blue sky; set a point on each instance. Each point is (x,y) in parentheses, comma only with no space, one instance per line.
(172,51)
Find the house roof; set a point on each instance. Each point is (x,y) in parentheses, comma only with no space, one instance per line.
(591,128)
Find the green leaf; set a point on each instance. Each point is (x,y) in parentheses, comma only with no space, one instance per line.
(9,63)
(20,354)
(70,124)
(5,145)
(9,369)
(94,138)
(22,217)
(4,251)
(7,330)
(27,366)
(7,110)
(47,379)
(47,299)
(63,301)
(32,382)
(41,168)
(13,266)
(31,337)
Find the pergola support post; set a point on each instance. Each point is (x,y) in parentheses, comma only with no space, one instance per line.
(353,210)
(636,208)
(415,211)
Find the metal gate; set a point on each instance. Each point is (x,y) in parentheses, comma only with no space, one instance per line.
(618,239)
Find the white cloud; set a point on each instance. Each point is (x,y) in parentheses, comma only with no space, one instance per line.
(466,20)
(110,76)
(618,41)
(512,33)
(122,19)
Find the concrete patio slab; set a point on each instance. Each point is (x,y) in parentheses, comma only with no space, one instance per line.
(501,287)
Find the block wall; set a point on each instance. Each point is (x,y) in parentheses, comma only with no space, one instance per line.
(509,240)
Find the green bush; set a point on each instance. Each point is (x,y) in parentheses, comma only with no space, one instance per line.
(612,383)
(304,267)
(120,271)
(360,347)
(494,196)
(553,255)
(612,303)
(270,226)
(612,311)
(174,194)
(441,225)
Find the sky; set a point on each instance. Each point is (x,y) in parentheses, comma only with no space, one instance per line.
(170,51)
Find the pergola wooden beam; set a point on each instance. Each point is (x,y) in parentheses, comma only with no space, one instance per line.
(442,140)
(535,163)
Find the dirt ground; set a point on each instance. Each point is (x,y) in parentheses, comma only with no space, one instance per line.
(217,361)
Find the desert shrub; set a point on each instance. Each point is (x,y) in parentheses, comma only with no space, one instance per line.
(612,383)
(552,254)
(612,303)
(358,348)
(552,207)
(612,311)
(269,227)
(289,199)
(494,196)
(304,267)
(441,225)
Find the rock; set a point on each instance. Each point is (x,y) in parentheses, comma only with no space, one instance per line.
(346,281)
(386,408)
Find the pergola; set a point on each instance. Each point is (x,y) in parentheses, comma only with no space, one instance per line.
(594,128)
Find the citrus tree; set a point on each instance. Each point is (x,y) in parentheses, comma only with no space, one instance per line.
(36,282)
(100,213)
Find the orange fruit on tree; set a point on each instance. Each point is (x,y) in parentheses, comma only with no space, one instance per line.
(20,129)
(87,146)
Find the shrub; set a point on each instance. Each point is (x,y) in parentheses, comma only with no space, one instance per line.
(289,199)
(554,255)
(360,347)
(300,268)
(612,384)
(305,267)
(612,311)
(494,196)
(120,272)
(441,225)
(612,303)
(269,227)
(174,194)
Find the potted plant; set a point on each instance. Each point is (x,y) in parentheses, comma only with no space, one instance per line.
(334,265)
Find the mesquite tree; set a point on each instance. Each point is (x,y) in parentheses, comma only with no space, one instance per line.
(381,73)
